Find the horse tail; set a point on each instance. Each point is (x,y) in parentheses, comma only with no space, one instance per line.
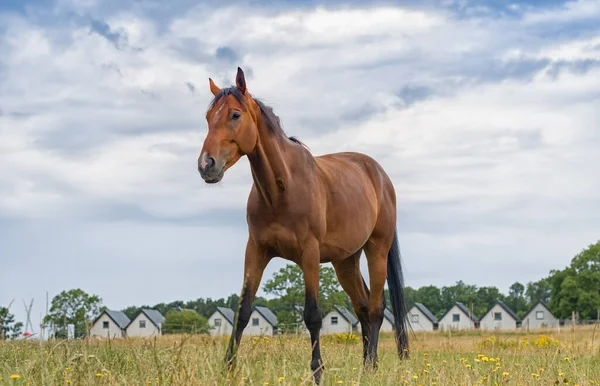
(395,281)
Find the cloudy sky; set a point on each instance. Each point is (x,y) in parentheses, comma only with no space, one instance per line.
(485,114)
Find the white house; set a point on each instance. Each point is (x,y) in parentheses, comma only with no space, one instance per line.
(221,321)
(147,323)
(421,319)
(539,316)
(388,321)
(110,324)
(339,320)
(262,322)
(459,317)
(500,317)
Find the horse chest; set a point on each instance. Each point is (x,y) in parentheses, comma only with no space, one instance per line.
(280,238)
(276,234)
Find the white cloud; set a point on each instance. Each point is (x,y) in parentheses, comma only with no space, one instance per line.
(569,12)
(481,120)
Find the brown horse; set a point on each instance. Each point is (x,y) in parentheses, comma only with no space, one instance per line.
(309,210)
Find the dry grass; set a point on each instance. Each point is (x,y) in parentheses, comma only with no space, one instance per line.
(540,358)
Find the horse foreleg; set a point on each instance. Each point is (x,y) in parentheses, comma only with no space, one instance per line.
(255,263)
(310,265)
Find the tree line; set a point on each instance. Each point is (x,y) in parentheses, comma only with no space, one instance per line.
(576,288)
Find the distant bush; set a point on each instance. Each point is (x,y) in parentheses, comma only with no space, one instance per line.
(185,322)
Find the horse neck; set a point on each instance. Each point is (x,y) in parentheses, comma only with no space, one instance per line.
(270,164)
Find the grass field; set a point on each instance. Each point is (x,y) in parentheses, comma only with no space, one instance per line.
(571,357)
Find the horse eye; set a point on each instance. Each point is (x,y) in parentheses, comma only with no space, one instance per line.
(236,116)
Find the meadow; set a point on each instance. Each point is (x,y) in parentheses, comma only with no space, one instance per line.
(568,357)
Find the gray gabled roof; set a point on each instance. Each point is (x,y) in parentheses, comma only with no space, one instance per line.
(505,308)
(155,317)
(346,314)
(388,315)
(543,304)
(464,309)
(227,313)
(268,315)
(118,317)
(425,311)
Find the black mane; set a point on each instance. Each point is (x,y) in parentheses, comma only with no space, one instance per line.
(272,120)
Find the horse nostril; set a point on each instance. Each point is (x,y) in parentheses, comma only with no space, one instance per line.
(210,162)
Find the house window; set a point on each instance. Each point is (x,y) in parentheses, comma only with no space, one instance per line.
(142,324)
(456,317)
(217,322)
(539,315)
(105,324)
(414,318)
(497,315)
(255,321)
(334,320)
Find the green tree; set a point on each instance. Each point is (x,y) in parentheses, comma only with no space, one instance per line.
(9,328)
(577,287)
(516,299)
(536,291)
(72,307)
(288,285)
(431,297)
(460,292)
(185,321)
(486,297)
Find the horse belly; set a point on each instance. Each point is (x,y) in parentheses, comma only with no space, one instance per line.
(350,222)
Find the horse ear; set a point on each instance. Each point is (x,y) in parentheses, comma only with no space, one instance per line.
(213,87)
(240,81)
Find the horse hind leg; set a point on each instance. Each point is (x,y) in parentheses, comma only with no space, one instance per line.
(352,282)
(376,250)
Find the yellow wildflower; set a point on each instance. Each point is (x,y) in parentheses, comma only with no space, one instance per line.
(561,374)
(468,366)
(15,376)
(99,375)
(281,379)
(415,377)
(339,382)
(505,374)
